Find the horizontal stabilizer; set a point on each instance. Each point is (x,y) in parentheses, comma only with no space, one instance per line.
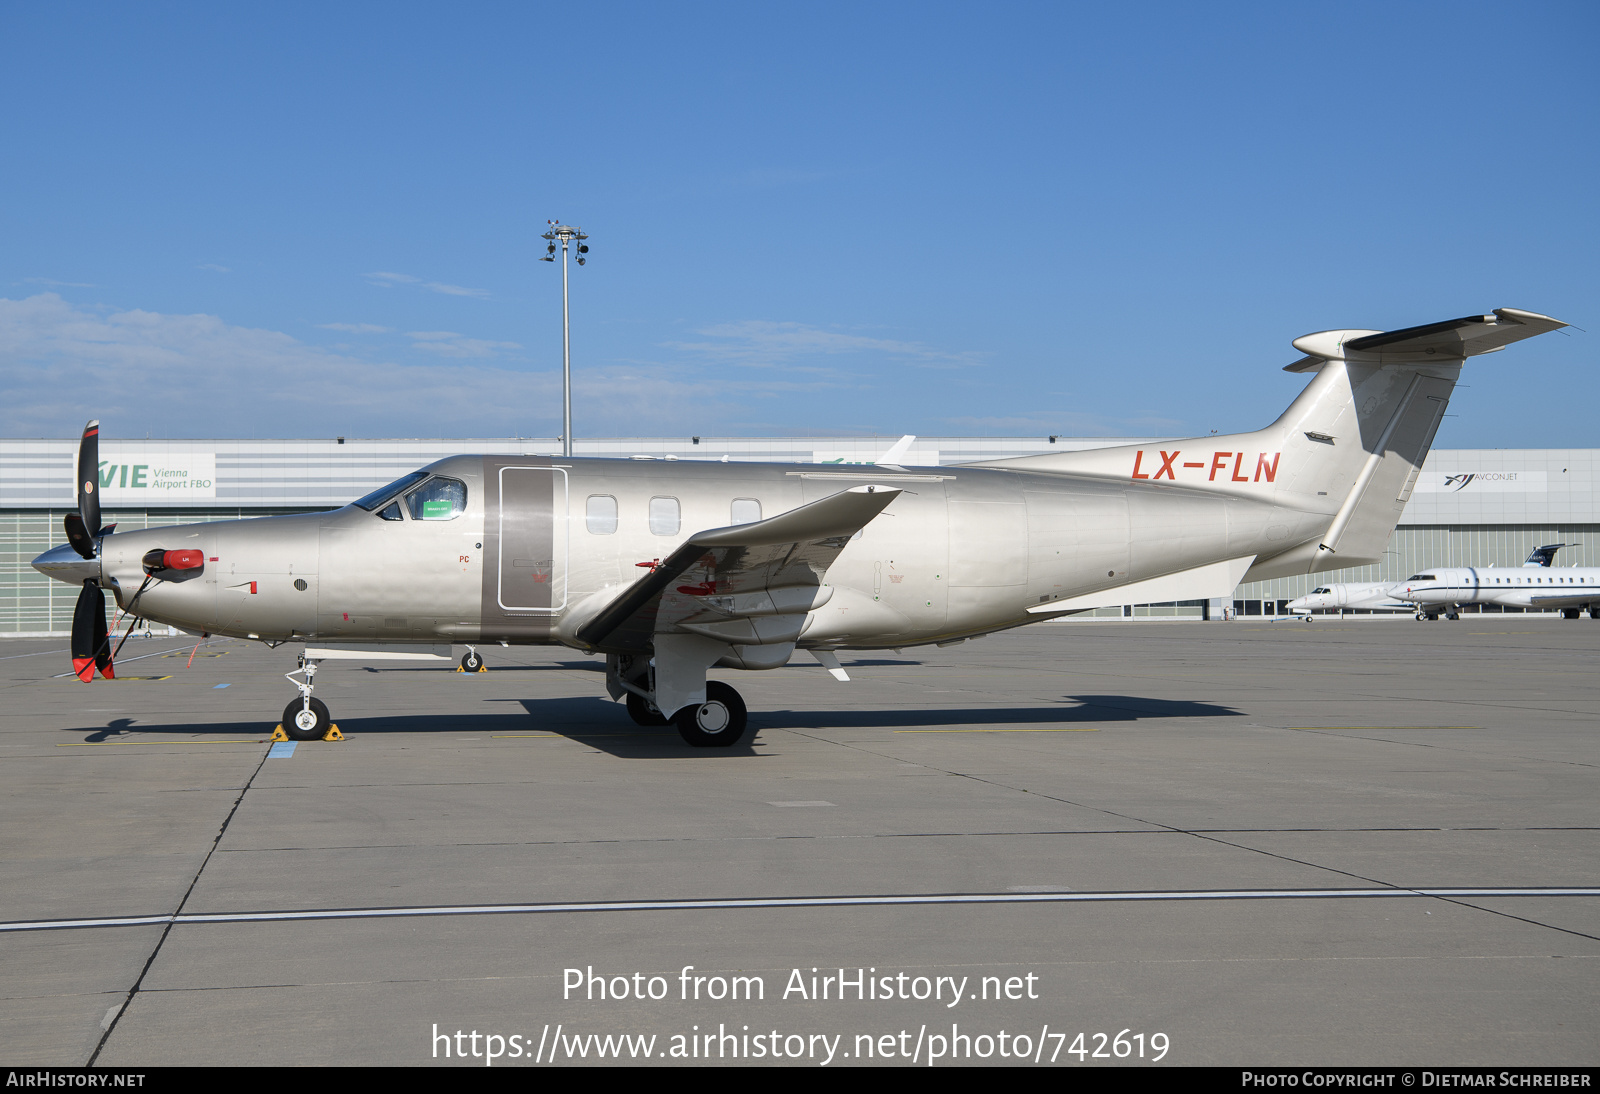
(1453,339)
(1216,580)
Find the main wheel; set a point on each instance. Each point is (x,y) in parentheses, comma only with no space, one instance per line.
(306,725)
(472,662)
(1570,613)
(716,723)
(1452,615)
(642,713)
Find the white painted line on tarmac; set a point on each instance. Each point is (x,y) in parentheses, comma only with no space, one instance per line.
(797,902)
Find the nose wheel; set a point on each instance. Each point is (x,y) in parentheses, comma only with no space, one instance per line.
(472,661)
(306,721)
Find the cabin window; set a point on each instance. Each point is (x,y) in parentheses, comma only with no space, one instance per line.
(664,516)
(438,499)
(744,511)
(600,515)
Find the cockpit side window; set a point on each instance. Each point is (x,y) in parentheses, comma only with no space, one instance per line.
(391,511)
(438,499)
(377,498)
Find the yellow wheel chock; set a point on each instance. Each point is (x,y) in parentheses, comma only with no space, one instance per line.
(333,734)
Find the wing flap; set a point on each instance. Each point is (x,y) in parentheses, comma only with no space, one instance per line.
(713,583)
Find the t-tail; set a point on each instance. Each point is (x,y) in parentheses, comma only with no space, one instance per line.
(1546,555)
(1347,452)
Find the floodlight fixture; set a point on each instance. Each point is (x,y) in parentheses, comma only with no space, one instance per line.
(566,235)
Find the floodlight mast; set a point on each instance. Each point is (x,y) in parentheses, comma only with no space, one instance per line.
(568,234)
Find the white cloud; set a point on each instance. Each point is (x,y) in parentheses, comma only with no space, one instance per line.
(355,328)
(57,284)
(199,376)
(450,344)
(388,280)
(212,266)
(764,343)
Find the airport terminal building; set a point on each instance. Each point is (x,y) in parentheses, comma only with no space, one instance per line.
(1473,507)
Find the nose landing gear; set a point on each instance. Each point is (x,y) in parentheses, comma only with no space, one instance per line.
(307,718)
(472,661)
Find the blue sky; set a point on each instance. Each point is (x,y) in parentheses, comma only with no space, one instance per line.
(1002,219)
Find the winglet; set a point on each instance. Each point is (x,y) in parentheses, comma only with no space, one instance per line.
(897,451)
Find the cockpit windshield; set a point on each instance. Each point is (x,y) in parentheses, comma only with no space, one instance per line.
(378,497)
(1422,577)
(1320,592)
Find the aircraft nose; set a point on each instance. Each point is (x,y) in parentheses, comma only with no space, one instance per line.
(65,564)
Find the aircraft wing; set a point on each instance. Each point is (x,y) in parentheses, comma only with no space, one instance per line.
(748,584)
(1566,600)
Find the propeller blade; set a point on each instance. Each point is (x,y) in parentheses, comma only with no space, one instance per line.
(79,536)
(89,479)
(102,637)
(86,632)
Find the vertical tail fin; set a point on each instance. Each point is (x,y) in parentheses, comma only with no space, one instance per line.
(1348,450)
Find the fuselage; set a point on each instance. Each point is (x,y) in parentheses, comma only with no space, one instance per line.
(962,551)
(1361,596)
(1507,586)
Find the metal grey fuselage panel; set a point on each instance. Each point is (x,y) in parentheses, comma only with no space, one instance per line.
(961,551)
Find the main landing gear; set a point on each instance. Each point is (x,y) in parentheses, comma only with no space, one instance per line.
(719,721)
(716,723)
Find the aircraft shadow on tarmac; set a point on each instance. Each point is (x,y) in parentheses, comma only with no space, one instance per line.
(605,725)
(1074,710)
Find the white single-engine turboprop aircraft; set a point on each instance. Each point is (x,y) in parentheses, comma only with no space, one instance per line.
(1535,585)
(671,568)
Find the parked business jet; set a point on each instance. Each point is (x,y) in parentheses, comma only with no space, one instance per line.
(1371,596)
(668,568)
(1535,585)
(1378,596)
